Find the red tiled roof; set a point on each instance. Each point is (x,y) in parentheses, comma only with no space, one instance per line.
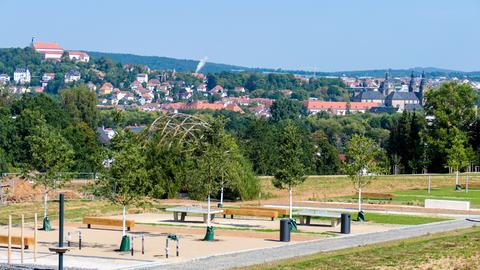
(106,85)
(46,45)
(77,53)
(197,105)
(323,105)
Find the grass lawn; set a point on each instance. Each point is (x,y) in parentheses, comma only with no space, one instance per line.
(453,250)
(326,187)
(418,196)
(399,219)
(394,219)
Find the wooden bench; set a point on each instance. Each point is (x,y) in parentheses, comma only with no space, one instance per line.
(108,222)
(250,212)
(280,211)
(17,240)
(377,196)
(471,185)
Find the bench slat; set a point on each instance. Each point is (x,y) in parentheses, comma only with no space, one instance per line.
(108,222)
(17,240)
(280,211)
(250,212)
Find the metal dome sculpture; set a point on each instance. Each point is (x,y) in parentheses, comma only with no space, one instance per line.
(177,128)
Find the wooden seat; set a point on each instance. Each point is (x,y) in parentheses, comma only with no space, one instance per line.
(250,212)
(108,222)
(17,240)
(280,211)
(377,196)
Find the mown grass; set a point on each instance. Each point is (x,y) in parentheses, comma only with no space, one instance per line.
(454,250)
(324,188)
(418,196)
(394,219)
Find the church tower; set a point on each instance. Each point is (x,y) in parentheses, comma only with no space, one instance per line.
(411,84)
(385,85)
(421,88)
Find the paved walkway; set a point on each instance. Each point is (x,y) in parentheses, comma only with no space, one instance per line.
(246,258)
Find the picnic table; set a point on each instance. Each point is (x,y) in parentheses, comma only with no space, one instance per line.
(306,215)
(184,210)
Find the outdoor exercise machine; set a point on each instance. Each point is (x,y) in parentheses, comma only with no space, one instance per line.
(132,238)
(69,238)
(175,238)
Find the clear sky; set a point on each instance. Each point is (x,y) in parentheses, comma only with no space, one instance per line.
(330,35)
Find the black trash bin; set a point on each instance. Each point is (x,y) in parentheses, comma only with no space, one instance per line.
(285,230)
(345,221)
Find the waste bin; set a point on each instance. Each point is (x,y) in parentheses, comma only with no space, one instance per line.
(345,221)
(285,230)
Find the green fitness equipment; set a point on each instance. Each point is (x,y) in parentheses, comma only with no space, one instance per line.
(46,224)
(361,216)
(125,245)
(293,225)
(209,236)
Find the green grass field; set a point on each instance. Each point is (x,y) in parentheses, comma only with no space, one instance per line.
(331,187)
(418,196)
(454,250)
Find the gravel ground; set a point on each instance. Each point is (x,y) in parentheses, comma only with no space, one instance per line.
(252,257)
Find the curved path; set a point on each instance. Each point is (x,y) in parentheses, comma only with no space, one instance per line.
(258,256)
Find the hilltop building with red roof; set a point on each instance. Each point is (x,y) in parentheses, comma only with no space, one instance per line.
(50,50)
(78,56)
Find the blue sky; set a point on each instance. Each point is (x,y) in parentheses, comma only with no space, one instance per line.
(330,35)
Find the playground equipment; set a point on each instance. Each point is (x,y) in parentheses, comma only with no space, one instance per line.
(23,241)
(69,238)
(132,238)
(175,238)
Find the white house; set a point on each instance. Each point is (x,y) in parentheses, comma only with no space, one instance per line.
(78,56)
(22,75)
(50,51)
(4,78)
(142,77)
(72,76)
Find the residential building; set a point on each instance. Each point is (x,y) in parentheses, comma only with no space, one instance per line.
(47,77)
(105,134)
(4,78)
(50,50)
(370,96)
(106,89)
(79,56)
(201,87)
(218,90)
(142,77)
(22,76)
(338,107)
(400,100)
(72,76)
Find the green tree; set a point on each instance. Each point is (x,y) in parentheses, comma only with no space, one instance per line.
(364,161)
(81,104)
(449,107)
(88,155)
(290,171)
(51,157)
(283,109)
(126,180)
(458,154)
(326,155)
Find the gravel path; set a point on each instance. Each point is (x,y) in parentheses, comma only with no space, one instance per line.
(246,258)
